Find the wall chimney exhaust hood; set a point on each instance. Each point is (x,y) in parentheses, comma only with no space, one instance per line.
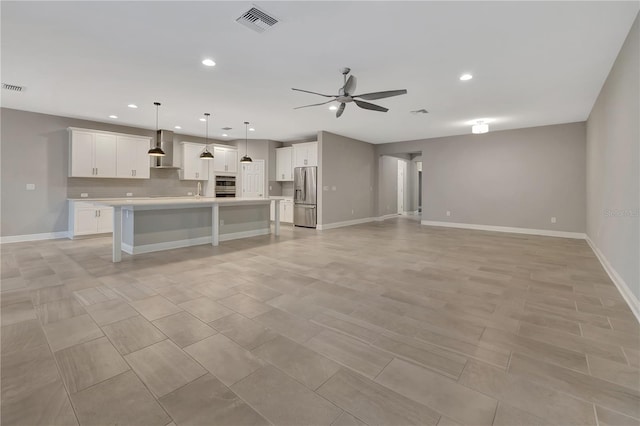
(166,143)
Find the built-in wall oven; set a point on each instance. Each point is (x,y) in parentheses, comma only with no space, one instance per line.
(225,186)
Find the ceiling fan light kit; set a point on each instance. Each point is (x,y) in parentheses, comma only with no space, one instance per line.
(346,95)
(479,128)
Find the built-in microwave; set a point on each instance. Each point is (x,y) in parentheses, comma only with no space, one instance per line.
(225,186)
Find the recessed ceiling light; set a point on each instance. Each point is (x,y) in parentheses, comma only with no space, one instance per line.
(132,106)
(465,77)
(333,107)
(225,135)
(177,127)
(113,116)
(202,119)
(209,62)
(251,129)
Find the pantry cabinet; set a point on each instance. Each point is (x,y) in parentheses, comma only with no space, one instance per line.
(225,160)
(284,164)
(305,154)
(193,167)
(285,209)
(86,218)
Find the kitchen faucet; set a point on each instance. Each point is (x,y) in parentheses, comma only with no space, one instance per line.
(198,190)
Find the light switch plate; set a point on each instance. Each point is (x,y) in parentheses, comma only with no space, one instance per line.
(333,188)
(129,194)
(31,187)
(189,193)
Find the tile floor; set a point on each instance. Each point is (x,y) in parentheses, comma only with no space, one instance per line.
(388,323)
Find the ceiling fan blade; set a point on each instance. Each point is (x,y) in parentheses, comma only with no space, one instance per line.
(367,105)
(380,95)
(321,103)
(315,93)
(350,85)
(340,110)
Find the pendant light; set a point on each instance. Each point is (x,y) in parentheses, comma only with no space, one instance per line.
(157,150)
(246,158)
(206,155)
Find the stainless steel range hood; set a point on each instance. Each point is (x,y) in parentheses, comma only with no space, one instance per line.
(166,143)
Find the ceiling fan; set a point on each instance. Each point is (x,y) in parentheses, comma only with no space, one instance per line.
(345,95)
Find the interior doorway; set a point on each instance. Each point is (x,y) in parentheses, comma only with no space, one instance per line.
(402,171)
(253,179)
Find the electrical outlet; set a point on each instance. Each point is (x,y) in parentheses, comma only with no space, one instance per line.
(270,188)
(84,195)
(31,187)
(333,188)
(553,219)
(189,193)
(129,194)
(448,213)
(352,212)
(325,188)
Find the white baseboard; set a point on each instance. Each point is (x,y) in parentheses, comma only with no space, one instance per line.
(33,237)
(345,223)
(528,231)
(387,216)
(149,248)
(622,286)
(244,234)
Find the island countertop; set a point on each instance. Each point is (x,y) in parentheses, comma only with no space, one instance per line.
(181,202)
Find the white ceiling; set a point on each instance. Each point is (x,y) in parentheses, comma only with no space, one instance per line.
(533,63)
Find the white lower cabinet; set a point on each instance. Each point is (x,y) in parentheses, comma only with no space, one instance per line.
(286,211)
(86,218)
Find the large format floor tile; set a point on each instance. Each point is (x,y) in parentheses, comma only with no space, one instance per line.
(386,323)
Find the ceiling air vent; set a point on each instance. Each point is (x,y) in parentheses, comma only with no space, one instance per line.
(227,128)
(12,87)
(420,111)
(257,20)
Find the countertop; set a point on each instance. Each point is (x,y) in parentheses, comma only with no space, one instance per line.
(179,202)
(186,197)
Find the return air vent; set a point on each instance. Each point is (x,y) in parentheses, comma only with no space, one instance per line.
(257,20)
(12,87)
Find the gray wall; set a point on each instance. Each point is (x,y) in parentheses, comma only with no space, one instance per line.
(387,185)
(515,178)
(35,149)
(613,180)
(350,166)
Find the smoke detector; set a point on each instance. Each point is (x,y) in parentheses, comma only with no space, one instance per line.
(257,20)
(12,87)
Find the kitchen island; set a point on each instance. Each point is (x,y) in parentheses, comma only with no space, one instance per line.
(154,224)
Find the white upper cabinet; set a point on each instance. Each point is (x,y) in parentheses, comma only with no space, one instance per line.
(97,154)
(193,167)
(305,154)
(284,164)
(92,154)
(133,158)
(225,160)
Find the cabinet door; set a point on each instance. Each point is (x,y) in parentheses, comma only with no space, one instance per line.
(85,221)
(125,157)
(193,167)
(283,211)
(81,155)
(300,155)
(312,154)
(220,159)
(104,220)
(284,164)
(105,154)
(232,161)
(140,164)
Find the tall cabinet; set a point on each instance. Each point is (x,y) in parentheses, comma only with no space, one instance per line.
(284,164)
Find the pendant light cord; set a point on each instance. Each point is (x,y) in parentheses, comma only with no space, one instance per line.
(246,137)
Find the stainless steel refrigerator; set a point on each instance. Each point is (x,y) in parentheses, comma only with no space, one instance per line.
(304,196)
